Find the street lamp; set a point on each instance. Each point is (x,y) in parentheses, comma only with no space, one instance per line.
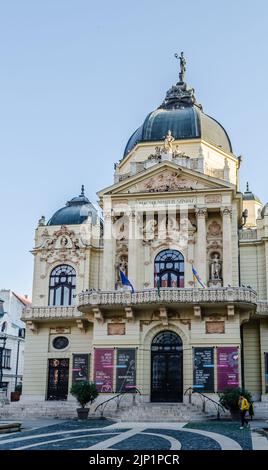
(3,339)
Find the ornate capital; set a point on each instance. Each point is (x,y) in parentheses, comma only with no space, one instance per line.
(201,212)
(226,211)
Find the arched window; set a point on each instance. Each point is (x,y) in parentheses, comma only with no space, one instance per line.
(62,284)
(169,269)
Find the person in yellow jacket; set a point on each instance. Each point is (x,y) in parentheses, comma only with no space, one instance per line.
(244,407)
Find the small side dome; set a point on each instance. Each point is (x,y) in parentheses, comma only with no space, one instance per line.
(250,196)
(264,210)
(75,212)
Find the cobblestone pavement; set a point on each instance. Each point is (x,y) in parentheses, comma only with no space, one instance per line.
(105,434)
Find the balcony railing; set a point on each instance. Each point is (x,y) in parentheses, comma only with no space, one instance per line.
(248,234)
(169,296)
(57,313)
(262,307)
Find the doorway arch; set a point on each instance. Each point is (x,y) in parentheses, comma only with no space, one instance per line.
(167,367)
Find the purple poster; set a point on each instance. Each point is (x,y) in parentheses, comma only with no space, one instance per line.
(104,369)
(227,367)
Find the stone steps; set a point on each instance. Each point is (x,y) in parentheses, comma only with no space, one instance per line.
(151,412)
(162,412)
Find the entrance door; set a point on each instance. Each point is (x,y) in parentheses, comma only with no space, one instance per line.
(166,368)
(58,377)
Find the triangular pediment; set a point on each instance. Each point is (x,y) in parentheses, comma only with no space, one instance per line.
(166,177)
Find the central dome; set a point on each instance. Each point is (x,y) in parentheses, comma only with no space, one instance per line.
(180,114)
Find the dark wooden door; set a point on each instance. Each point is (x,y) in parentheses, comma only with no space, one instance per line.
(167,368)
(58,379)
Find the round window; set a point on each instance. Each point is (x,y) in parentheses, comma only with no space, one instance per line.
(61,342)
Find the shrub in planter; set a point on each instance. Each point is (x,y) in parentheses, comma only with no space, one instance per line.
(85,392)
(230,397)
(15,396)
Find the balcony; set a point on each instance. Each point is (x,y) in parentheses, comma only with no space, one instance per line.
(99,302)
(262,308)
(50,313)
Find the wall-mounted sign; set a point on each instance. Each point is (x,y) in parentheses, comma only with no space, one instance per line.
(125,370)
(227,367)
(104,369)
(80,367)
(203,370)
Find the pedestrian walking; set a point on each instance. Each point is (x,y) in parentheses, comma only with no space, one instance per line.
(244,407)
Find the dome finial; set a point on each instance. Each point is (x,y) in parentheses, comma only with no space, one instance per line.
(82,190)
(182,60)
(247,187)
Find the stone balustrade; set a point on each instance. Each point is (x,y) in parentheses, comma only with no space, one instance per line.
(57,313)
(248,234)
(168,296)
(262,307)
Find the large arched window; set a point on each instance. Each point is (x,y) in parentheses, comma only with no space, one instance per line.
(62,284)
(169,269)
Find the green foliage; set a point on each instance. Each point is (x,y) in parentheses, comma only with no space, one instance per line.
(85,392)
(230,397)
(18,388)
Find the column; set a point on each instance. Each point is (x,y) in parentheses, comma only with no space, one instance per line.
(133,249)
(227,246)
(108,268)
(201,244)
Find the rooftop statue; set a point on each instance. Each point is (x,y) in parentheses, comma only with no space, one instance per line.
(182,60)
(169,139)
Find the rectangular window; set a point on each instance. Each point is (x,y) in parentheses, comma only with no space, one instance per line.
(6,358)
(4,386)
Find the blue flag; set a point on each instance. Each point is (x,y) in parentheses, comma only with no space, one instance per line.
(197,277)
(125,281)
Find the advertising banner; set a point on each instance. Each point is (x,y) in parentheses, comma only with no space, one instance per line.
(125,370)
(80,367)
(227,367)
(203,370)
(104,369)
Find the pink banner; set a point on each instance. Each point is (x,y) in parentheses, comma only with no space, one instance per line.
(104,369)
(227,368)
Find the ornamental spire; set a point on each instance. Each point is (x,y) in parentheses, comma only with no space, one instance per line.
(182,60)
(82,190)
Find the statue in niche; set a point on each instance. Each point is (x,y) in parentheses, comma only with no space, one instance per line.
(215,268)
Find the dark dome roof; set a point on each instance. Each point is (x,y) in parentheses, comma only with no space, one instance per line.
(264,210)
(75,212)
(180,114)
(250,196)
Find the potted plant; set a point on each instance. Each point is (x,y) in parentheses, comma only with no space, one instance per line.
(229,398)
(85,392)
(15,396)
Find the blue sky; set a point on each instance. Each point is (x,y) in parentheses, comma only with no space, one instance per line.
(78,77)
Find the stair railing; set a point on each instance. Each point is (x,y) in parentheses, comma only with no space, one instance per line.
(204,398)
(119,397)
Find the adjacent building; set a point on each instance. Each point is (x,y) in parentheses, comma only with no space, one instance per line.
(12,339)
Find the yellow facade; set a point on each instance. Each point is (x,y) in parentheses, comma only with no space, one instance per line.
(179,198)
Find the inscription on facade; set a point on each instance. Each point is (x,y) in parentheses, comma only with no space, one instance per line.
(116,328)
(215,327)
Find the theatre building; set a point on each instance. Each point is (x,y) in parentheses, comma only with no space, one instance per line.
(163,288)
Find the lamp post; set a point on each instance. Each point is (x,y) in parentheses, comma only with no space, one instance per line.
(3,339)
